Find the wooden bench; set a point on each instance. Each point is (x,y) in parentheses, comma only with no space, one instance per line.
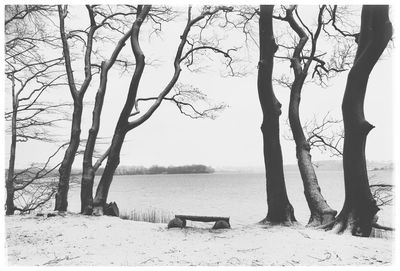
(180,221)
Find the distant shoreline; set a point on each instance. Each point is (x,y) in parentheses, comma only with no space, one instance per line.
(165,173)
(335,165)
(155,170)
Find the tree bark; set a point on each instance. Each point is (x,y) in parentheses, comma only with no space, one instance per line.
(113,160)
(123,121)
(61,203)
(88,171)
(87,182)
(279,208)
(10,208)
(321,212)
(359,209)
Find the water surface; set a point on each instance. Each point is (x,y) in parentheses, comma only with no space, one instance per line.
(241,196)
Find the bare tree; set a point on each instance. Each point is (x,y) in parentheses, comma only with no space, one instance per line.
(301,60)
(26,119)
(124,125)
(342,24)
(327,135)
(77,96)
(184,98)
(279,208)
(359,209)
(35,186)
(30,75)
(88,169)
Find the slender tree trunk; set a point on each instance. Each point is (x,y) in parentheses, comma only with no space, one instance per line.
(321,212)
(87,181)
(10,176)
(279,208)
(109,170)
(124,125)
(359,209)
(61,203)
(88,171)
(123,122)
(69,157)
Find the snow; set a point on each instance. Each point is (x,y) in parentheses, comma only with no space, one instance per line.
(88,240)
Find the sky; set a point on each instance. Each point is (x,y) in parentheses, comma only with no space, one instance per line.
(234,138)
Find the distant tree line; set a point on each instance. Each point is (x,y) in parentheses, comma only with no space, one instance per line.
(135,170)
(125,170)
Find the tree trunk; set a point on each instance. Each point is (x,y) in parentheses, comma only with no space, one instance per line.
(122,125)
(87,182)
(279,208)
(108,173)
(77,95)
(359,209)
(10,176)
(88,171)
(321,212)
(69,157)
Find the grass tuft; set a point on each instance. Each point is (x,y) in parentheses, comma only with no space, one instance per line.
(148,215)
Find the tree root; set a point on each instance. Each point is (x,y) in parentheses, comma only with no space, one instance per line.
(98,211)
(326,226)
(346,224)
(317,220)
(381,227)
(285,223)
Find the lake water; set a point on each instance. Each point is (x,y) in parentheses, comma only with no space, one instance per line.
(241,196)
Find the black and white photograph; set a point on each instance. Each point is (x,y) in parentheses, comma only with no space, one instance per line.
(199,133)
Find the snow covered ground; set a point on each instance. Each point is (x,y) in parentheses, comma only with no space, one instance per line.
(89,240)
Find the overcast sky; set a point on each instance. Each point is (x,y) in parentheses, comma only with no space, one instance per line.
(234,138)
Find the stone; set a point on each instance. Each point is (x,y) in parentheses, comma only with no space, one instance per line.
(221,224)
(177,223)
(111,209)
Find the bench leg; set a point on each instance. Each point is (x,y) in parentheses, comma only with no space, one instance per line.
(221,224)
(177,223)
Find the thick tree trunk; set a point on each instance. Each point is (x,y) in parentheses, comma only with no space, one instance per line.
(61,203)
(10,175)
(123,122)
(279,208)
(359,209)
(321,212)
